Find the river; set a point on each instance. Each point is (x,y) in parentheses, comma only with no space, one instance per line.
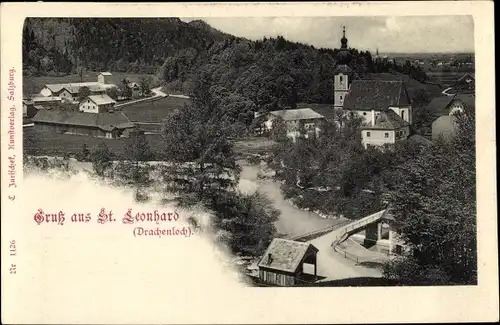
(292,221)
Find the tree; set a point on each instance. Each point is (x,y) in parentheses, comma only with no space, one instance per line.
(101,159)
(244,222)
(113,93)
(138,150)
(83,93)
(125,89)
(436,207)
(196,141)
(145,84)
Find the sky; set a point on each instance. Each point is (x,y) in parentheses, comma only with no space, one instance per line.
(411,34)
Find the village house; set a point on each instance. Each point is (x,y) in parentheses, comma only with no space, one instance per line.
(296,121)
(285,263)
(135,89)
(386,127)
(446,107)
(97,104)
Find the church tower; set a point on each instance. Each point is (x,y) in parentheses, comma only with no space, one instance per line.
(343,73)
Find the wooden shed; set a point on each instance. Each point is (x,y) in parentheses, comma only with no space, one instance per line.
(283,263)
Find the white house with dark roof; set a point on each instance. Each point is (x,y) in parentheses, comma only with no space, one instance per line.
(296,120)
(97,104)
(285,263)
(387,127)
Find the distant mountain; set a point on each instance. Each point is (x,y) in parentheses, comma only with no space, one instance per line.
(245,75)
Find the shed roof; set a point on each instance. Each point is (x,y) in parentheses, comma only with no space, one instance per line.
(379,94)
(106,73)
(388,120)
(297,114)
(286,254)
(104,121)
(101,99)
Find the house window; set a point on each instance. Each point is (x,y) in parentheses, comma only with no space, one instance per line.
(403,115)
(364,114)
(341,79)
(309,125)
(368,134)
(340,97)
(386,135)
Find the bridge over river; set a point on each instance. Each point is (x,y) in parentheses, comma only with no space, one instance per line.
(303,225)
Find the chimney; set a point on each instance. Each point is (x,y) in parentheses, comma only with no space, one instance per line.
(269,258)
(373,117)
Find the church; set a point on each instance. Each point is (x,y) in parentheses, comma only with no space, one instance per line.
(384,105)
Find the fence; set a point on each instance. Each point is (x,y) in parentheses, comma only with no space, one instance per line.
(375,258)
(315,234)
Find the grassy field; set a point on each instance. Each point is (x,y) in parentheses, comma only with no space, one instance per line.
(35,84)
(153,111)
(45,143)
(41,143)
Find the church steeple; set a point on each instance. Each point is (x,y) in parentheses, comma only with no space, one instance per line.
(343,40)
(343,73)
(344,55)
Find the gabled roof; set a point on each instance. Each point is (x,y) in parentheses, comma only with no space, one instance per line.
(104,121)
(101,99)
(376,94)
(286,254)
(326,110)
(387,120)
(441,105)
(297,114)
(467,75)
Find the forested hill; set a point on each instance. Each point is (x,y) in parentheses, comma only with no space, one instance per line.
(267,73)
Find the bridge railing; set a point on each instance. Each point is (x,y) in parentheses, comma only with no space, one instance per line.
(347,229)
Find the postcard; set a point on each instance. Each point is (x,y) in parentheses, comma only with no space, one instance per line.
(234,163)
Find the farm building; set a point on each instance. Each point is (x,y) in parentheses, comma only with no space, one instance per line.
(69,92)
(284,260)
(97,104)
(105,125)
(296,120)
